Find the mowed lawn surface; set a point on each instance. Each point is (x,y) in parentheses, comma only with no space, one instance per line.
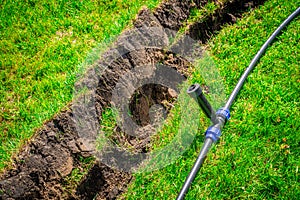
(43,42)
(41,45)
(258,156)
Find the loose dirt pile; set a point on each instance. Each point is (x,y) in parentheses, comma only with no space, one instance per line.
(42,168)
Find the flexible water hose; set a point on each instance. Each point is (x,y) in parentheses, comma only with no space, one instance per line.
(257,57)
(225,110)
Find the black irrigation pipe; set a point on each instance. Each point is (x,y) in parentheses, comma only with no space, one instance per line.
(219,118)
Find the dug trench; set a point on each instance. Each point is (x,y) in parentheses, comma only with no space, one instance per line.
(43,169)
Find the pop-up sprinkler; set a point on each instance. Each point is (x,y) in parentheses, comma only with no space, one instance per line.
(220,117)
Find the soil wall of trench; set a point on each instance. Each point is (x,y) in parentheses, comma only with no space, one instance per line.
(41,167)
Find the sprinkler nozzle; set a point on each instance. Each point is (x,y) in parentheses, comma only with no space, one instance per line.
(195,92)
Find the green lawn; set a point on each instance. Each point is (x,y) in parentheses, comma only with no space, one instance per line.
(42,44)
(258,154)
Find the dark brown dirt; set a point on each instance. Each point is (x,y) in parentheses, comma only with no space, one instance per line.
(147,96)
(227,14)
(42,166)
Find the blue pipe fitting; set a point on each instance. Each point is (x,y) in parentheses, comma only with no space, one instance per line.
(214,133)
(224,112)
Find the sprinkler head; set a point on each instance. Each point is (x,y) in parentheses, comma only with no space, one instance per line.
(195,92)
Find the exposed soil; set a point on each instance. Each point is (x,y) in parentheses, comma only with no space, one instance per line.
(42,167)
(147,96)
(227,14)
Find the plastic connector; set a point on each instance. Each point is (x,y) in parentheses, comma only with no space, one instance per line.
(224,112)
(214,133)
